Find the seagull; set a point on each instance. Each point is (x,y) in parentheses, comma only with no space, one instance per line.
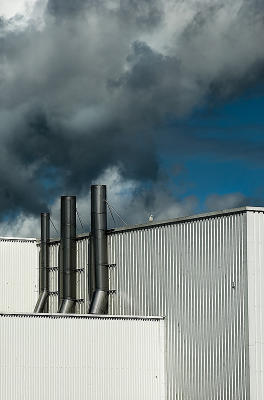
(151,218)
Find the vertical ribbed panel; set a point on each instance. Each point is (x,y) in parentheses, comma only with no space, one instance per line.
(53,277)
(82,254)
(194,272)
(18,275)
(52,358)
(255,260)
(82,275)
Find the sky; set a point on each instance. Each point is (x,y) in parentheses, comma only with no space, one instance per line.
(162,100)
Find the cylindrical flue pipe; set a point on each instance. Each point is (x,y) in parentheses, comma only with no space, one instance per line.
(41,305)
(67,273)
(99,304)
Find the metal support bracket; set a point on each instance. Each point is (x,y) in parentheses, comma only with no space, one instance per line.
(79,301)
(110,265)
(112,291)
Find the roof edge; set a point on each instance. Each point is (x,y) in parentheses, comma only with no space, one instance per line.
(153,224)
(212,214)
(82,316)
(18,239)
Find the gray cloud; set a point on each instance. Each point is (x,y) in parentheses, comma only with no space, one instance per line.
(90,88)
(66,8)
(222,202)
(231,200)
(143,14)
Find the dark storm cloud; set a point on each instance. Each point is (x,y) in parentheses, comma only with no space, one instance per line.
(144,14)
(82,157)
(66,8)
(91,88)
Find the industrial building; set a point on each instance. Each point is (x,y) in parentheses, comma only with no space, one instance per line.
(203,273)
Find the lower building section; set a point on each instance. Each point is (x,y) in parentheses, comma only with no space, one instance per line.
(19,281)
(57,357)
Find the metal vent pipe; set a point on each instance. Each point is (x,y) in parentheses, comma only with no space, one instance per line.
(67,267)
(41,305)
(99,304)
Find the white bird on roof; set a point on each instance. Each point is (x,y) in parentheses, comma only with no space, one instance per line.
(151,218)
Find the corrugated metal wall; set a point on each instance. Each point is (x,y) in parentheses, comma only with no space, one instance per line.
(18,275)
(194,272)
(60,358)
(255,261)
(81,271)
(53,277)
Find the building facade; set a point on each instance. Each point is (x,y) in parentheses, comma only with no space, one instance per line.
(203,273)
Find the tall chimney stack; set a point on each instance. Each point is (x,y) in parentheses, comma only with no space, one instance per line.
(99,304)
(67,267)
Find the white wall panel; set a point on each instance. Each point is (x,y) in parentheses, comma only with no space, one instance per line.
(70,357)
(18,275)
(255,261)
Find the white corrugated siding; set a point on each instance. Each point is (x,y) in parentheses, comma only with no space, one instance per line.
(18,275)
(194,272)
(52,358)
(255,255)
